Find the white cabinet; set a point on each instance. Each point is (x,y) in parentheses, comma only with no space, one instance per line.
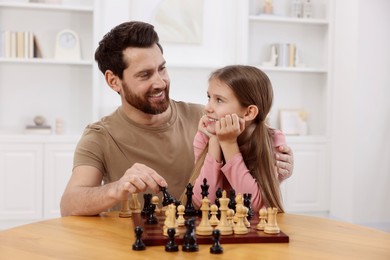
(58,168)
(308,189)
(46,86)
(34,172)
(21,173)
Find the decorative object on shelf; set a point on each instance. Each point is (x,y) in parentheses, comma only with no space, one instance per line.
(273,59)
(39,127)
(67,45)
(59,126)
(296,8)
(268,7)
(307,9)
(293,121)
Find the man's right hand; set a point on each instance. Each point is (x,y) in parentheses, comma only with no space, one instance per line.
(137,179)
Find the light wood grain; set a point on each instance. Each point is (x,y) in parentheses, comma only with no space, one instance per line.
(110,237)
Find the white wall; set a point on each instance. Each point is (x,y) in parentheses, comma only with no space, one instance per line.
(361,113)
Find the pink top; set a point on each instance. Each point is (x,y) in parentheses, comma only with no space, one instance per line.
(234,174)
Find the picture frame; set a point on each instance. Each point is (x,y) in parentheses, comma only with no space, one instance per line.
(291,121)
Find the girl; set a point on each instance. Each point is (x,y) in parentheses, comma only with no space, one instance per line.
(234,148)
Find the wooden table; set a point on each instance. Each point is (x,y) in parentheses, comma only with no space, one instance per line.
(109,237)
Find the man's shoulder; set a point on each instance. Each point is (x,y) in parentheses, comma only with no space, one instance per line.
(188,107)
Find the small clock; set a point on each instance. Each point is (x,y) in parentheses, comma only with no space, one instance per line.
(67,46)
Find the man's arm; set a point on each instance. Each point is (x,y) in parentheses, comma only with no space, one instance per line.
(84,194)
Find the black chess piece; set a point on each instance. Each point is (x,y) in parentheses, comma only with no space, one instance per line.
(190,208)
(248,204)
(189,239)
(205,188)
(216,248)
(218,195)
(147,202)
(171,245)
(168,198)
(138,244)
(232,200)
(152,219)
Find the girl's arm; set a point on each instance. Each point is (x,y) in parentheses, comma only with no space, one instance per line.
(241,180)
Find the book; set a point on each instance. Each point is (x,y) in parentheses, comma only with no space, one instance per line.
(37,129)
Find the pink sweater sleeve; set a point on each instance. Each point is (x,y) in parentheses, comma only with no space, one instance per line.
(235,171)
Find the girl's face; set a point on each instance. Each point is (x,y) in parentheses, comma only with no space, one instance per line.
(221,102)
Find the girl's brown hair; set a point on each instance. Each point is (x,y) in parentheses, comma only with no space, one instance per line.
(251,86)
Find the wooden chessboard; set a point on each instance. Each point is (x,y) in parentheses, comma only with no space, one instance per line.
(153,234)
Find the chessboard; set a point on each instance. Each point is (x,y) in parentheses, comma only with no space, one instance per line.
(153,233)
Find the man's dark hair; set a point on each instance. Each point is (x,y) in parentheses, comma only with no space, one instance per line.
(109,54)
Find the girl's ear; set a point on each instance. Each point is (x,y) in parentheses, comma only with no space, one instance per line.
(113,81)
(251,113)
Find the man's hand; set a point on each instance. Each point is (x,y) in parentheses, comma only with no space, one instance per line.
(284,160)
(138,178)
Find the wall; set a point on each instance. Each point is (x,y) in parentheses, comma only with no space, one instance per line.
(361,113)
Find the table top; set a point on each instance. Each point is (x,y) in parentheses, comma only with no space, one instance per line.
(109,237)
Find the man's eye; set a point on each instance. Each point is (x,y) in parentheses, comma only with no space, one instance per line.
(219,100)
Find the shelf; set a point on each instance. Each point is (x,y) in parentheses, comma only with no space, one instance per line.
(306,139)
(39,138)
(47,61)
(292,69)
(59,7)
(282,19)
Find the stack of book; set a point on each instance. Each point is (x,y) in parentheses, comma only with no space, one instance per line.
(20,44)
(286,54)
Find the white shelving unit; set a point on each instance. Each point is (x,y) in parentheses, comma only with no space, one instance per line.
(67,83)
(35,168)
(306,86)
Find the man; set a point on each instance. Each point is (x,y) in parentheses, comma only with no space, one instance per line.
(147,142)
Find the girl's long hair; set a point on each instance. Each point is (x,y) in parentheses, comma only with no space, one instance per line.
(251,86)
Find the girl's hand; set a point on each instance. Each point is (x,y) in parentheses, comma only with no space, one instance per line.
(229,128)
(202,126)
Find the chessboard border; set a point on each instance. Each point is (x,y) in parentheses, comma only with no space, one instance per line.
(159,239)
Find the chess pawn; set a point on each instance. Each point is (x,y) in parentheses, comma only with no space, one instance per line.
(180,219)
(230,216)
(204,228)
(171,246)
(262,216)
(155,201)
(125,211)
(240,228)
(213,212)
(216,247)
(138,244)
(272,226)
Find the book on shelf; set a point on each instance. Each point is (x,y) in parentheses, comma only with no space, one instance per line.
(19,44)
(286,54)
(37,129)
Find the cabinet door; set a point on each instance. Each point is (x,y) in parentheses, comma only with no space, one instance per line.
(58,168)
(21,173)
(307,190)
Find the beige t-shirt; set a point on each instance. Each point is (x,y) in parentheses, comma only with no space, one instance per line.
(115,143)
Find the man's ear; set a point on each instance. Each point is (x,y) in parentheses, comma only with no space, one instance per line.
(113,81)
(251,113)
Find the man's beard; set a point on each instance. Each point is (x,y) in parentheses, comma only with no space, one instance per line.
(143,104)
